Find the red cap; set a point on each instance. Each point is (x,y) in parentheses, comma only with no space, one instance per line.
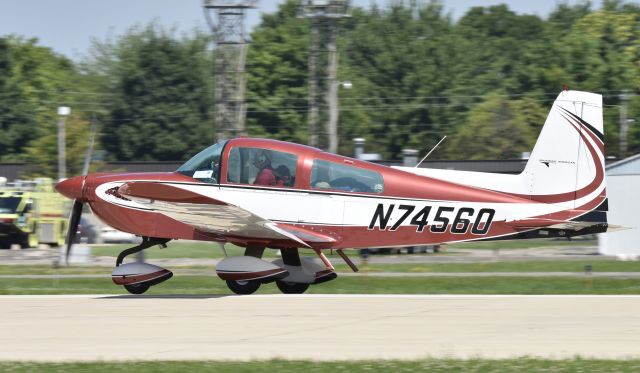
(71,188)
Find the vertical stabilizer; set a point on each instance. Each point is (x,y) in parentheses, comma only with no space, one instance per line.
(567,163)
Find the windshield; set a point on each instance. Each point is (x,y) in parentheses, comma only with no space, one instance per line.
(8,205)
(205,166)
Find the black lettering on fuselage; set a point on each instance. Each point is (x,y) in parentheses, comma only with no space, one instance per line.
(446,219)
(380,215)
(408,209)
(485,224)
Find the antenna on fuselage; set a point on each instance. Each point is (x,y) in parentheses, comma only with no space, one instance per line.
(430,151)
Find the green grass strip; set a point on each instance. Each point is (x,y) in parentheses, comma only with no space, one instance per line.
(366,366)
(211,250)
(597,265)
(343,285)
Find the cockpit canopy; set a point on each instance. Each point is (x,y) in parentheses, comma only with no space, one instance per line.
(258,166)
(205,166)
(272,163)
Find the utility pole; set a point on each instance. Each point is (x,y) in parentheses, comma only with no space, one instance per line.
(332,92)
(324,17)
(312,116)
(63,112)
(624,123)
(228,28)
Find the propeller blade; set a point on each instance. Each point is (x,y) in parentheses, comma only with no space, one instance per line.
(74,220)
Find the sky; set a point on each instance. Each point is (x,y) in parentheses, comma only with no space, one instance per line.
(69,26)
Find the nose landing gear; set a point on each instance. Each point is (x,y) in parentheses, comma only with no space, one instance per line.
(137,278)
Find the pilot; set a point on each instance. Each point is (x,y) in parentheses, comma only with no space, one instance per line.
(262,161)
(283,176)
(214,167)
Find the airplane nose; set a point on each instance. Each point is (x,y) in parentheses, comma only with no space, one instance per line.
(71,188)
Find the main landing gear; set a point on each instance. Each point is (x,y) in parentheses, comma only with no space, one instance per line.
(291,261)
(243,287)
(292,274)
(287,287)
(137,278)
(254,273)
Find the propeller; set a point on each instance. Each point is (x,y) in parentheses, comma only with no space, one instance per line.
(74,188)
(74,221)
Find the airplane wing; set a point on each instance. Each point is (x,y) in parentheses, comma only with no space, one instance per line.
(214,216)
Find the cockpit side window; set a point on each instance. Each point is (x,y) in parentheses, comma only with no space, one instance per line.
(259,166)
(205,166)
(336,176)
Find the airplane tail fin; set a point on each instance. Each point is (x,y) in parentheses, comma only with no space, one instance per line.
(566,165)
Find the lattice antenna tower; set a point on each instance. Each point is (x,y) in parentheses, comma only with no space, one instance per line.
(324,21)
(226,18)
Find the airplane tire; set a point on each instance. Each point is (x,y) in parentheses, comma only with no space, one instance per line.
(243,287)
(292,287)
(137,288)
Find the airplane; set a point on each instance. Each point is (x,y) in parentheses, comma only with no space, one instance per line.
(266,194)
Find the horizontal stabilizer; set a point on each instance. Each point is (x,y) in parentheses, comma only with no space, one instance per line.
(568,225)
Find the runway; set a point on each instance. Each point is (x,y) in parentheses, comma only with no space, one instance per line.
(318,327)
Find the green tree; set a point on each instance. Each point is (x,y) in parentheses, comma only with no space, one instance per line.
(498,129)
(487,80)
(160,100)
(277,76)
(33,80)
(42,152)
(602,54)
(399,60)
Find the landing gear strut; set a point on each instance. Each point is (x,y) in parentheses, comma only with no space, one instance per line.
(147,242)
(291,257)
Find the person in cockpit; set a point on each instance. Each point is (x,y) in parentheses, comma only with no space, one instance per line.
(262,161)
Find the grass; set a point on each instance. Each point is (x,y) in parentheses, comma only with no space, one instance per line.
(211,250)
(523,244)
(193,250)
(25,269)
(597,265)
(178,249)
(342,285)
(369,366)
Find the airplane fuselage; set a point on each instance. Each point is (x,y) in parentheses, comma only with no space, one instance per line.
(355,220)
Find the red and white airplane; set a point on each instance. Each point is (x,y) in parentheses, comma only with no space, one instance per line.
(260,194)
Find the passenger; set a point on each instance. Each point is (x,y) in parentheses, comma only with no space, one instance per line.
(283,176)
(262,161)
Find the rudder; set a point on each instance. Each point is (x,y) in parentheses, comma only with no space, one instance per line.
(566,165)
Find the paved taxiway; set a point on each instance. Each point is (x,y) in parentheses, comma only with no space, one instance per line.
(321,327)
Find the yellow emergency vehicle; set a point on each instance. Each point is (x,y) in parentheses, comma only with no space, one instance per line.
(31,213)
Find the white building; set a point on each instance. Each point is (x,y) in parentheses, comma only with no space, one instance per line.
(623,187)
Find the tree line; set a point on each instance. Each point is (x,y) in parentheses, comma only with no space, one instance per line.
(486,80)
